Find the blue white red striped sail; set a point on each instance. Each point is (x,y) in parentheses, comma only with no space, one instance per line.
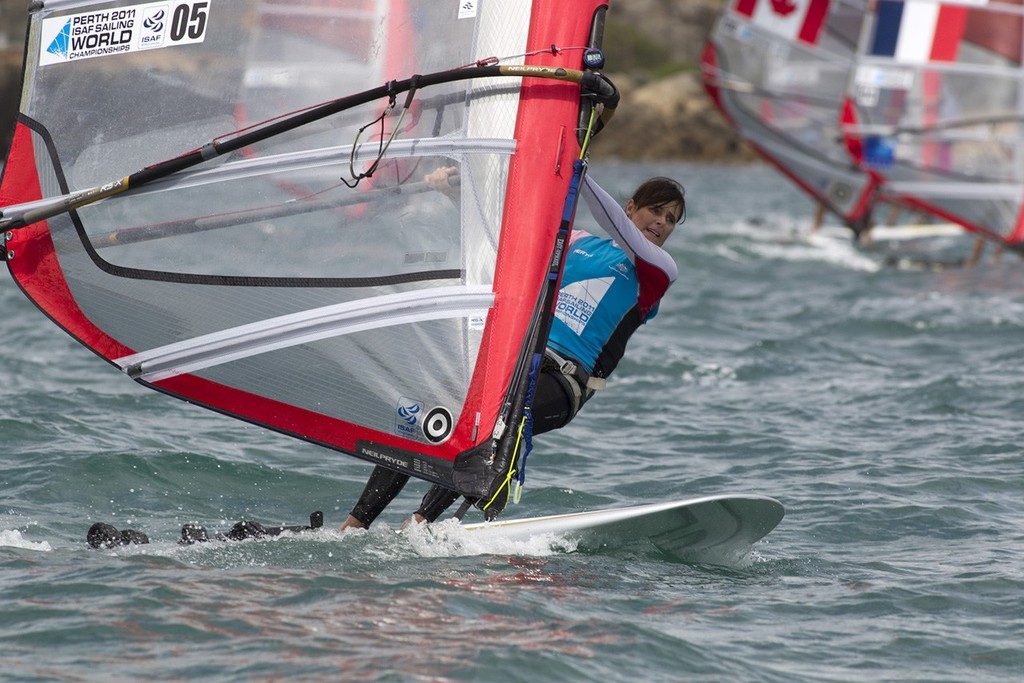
(918,31)
(933,110)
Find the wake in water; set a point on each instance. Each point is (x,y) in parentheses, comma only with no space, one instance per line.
(783,238)
(12,538)
(323,548)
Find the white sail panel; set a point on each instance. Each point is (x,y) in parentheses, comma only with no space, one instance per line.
(310,280)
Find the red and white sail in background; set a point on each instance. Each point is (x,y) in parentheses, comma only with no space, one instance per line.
(777,69)
(791,20)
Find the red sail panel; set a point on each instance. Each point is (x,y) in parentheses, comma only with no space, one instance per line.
(538,181)
(385,322)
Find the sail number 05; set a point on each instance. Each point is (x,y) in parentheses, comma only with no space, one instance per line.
(189,19)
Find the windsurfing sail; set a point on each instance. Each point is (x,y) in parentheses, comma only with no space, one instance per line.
(934,109)
(226,200)
(777,70)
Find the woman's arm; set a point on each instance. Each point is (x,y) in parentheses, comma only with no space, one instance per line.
(613,219)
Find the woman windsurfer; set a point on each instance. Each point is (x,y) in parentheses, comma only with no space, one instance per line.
(595,316)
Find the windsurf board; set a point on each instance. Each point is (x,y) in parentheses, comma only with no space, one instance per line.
(698,528)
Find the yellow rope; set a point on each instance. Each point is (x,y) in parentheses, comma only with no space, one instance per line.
(590,133)
(512,462)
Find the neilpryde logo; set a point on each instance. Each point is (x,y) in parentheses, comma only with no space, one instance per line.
(61,45)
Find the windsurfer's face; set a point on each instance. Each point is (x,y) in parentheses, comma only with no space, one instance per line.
(655,222)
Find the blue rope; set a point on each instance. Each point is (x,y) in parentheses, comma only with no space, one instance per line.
(528,417)
(568,210)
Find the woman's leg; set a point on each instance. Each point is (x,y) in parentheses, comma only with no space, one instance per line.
(381,488)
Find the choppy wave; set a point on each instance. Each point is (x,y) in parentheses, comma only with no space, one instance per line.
(880,404)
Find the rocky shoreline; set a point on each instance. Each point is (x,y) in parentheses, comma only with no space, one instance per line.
(670,119)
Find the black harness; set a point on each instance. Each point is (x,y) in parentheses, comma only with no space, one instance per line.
(571,375)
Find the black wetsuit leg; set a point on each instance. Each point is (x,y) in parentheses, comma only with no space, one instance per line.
(552,409)
(381,488)
(436,501)
(552,402)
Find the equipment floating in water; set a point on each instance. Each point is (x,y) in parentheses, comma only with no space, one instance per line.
(102,535)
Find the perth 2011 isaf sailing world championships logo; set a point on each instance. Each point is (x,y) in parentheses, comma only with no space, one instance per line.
(123,30)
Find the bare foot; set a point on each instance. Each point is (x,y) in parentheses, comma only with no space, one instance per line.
(351,523)
(414,519)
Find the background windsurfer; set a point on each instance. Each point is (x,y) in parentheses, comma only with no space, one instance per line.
(595,316)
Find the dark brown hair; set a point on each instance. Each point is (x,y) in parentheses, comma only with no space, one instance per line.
(661,191)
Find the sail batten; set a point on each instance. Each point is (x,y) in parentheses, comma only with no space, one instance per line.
(967,191)
(297,161)
(300,328)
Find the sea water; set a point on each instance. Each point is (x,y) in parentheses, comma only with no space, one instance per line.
(881,405)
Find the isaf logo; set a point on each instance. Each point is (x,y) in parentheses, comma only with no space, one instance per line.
(153,25)
(155,21)
(407,416)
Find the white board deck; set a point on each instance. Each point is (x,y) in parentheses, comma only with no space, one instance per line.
(701,529)
(893,233)
(915,231)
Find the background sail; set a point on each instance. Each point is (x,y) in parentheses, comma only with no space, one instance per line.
(777,71)
(935,109)
(384,320)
